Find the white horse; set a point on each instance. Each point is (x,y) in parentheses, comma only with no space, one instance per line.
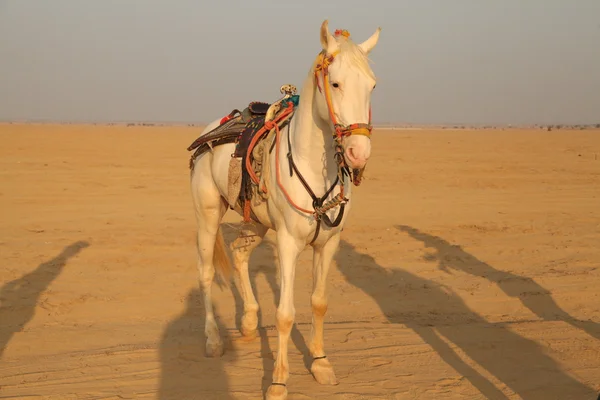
(328,137)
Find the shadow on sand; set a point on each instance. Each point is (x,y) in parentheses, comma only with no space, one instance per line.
(438,315)
(19,298)
(532,295)
(185,371)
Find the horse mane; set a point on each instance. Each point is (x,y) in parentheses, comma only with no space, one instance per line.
(355,56)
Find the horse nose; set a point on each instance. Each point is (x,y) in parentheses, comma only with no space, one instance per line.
(355,159)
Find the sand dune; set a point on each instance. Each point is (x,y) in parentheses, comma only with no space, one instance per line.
(469,269)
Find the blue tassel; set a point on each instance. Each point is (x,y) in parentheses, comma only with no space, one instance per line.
(295,99)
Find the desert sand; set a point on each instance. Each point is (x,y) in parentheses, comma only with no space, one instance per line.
(469,269)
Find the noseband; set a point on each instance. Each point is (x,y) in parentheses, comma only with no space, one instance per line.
(340,131)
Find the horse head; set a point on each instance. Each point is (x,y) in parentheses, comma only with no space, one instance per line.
(345,82)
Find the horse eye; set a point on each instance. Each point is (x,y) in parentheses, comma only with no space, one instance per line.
(336,85)
(374,86)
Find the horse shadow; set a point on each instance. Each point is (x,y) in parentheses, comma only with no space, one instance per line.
(531,294)
(185,371)
(436,313)
(19,298)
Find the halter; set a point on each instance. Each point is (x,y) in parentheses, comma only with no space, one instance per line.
(323,62)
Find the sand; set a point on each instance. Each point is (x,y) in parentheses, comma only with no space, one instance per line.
(469,269)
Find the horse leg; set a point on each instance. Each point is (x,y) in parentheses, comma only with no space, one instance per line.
(288,249)
(210,208)
(322,256)
(250,237)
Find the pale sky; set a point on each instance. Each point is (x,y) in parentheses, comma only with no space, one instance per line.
(437,61)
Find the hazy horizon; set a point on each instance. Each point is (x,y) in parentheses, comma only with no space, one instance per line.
(437,62)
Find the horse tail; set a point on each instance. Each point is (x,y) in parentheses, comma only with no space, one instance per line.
(221,259)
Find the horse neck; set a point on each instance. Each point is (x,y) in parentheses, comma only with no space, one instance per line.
(312,137)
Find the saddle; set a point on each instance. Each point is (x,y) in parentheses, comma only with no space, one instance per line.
(254,118)
(237,126)
(240,127)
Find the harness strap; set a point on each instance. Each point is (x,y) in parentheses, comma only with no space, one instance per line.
(267,127)
(317,201)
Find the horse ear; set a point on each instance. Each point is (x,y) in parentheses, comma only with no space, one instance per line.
(328,42)
(370,43)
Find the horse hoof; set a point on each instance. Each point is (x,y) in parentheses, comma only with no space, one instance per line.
(249,325)
(323,372)
(277,392)
(214,349)
(249,334)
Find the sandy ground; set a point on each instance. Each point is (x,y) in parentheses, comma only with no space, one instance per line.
(469,269)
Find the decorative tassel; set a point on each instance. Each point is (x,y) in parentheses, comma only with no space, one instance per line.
(342,32)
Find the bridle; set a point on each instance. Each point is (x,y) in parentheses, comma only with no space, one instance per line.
(340,131)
